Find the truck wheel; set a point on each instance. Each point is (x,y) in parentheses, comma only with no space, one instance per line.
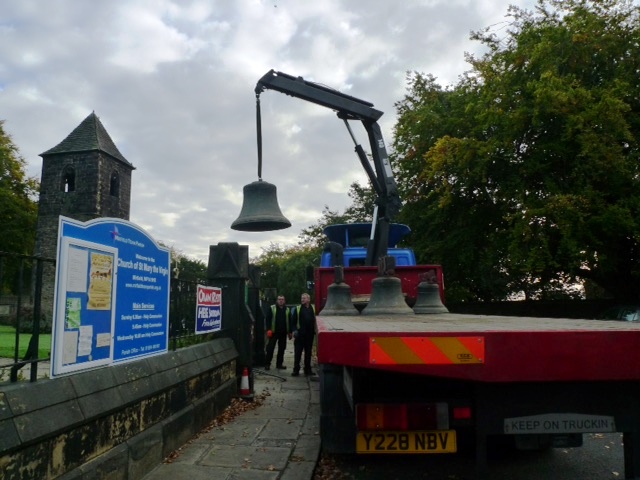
(337,422)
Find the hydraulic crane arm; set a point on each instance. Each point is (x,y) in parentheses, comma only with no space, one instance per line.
(351,108)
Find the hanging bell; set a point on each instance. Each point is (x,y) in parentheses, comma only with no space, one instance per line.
(260,211)
(428,299)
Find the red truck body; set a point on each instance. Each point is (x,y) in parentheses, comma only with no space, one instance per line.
(422,383)
(359,279)
(509,349)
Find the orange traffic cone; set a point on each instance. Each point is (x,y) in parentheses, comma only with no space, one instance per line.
(244,382)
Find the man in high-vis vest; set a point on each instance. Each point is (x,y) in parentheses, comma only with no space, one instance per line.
(277,332)
(303,327)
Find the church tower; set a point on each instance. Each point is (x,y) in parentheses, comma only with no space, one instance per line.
(83,177)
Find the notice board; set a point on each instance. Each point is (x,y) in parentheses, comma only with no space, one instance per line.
(111,301)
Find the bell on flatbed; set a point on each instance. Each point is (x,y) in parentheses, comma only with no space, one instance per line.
(428,299)
(260,211)
(339,301)
(387,298)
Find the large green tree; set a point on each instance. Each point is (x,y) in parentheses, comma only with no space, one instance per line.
(18,193)
(286,268)
(524,176)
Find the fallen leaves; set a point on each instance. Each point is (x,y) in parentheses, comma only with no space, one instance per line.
(328,469)
(236,408)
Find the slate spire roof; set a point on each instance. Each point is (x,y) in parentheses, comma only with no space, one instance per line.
(89,136)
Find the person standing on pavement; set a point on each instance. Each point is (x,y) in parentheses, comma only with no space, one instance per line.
(278,325)
(303,327)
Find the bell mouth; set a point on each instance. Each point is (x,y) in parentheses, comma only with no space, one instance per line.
(259,223)
(260,211)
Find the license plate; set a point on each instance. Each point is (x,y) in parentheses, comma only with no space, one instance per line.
(441,441)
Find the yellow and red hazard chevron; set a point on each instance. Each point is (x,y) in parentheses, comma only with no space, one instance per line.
(426,350)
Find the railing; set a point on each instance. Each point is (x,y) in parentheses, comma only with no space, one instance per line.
(182,316)
(21,309)
(26,306)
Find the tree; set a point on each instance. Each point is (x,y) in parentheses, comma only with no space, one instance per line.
(312,236)
(364,200)
(18,206)
(524,176)
(361,210)
(285,269)
(189,269)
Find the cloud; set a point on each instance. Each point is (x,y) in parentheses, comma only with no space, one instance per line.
(173,83)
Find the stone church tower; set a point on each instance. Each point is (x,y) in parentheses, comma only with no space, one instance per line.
(83,177)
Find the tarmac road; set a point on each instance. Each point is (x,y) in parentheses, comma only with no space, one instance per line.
(600,458)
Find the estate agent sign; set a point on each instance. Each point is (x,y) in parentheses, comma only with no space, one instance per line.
(208,309)
(111,300)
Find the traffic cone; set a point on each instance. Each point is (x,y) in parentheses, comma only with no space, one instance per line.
(244,383)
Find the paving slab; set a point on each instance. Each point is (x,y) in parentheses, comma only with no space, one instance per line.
(278,440)
(244,431)
(182,471)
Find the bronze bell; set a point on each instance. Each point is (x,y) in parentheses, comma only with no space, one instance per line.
(339,301)
(339,294)
(260,211)
(387,298)
(428,300)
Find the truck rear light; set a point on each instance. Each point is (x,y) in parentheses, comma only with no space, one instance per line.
(462,413)
(401,416)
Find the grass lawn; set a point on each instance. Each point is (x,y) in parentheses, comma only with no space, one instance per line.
(8,343)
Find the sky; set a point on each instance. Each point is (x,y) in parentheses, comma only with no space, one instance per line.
(173,84)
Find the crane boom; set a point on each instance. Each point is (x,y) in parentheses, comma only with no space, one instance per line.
(351,108)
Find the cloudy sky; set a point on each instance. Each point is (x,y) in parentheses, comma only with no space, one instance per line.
(173,83)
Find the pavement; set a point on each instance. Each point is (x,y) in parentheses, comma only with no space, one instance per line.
(278,440)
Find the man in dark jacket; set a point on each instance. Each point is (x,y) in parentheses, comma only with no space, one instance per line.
(303,327)
(277,331)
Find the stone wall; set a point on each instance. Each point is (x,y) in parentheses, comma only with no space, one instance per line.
(115,422)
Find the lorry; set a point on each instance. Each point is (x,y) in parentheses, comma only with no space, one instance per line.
(436,383)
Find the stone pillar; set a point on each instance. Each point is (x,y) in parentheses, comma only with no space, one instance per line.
(228,269)
(254,303)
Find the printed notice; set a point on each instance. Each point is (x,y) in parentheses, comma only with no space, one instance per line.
(70,350)
(85,340)
(77,263)
(101,281)
(103,340)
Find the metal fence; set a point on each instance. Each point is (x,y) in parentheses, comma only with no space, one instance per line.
(26,301)
(21,315)
(182,315)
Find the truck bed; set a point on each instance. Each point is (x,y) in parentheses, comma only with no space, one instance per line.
(484,348)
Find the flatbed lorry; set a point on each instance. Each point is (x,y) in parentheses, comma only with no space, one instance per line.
(429,383)
(423,383)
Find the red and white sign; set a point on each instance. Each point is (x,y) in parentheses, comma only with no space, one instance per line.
(208,309)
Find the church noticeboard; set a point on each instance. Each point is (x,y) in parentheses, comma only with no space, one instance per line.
(111,295)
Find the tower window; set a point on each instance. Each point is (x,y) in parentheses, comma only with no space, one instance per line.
(68,180)
(114,188)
